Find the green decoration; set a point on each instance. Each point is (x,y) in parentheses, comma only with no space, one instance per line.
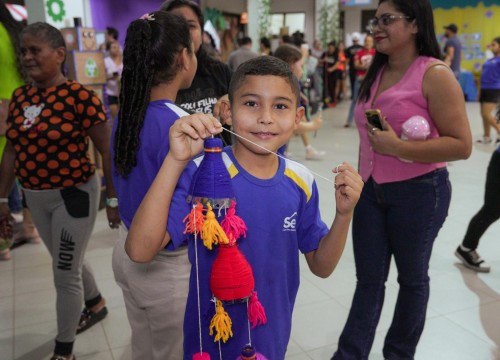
(264,13)
(216,17)
(329,29)
(55,9)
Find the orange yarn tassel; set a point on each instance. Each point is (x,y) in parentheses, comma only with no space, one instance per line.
(211,232)
(233,225)
(256,313)
(195,219)
(222,323)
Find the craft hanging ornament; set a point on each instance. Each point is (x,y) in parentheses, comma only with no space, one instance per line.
(231,276)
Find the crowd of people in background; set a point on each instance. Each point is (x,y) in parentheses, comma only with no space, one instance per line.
(171,69)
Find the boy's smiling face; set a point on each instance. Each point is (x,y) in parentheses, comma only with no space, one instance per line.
(263,110)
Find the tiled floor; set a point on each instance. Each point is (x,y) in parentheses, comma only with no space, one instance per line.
(463,321)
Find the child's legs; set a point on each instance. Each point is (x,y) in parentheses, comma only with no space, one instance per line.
(331,85)
(155,296)
(490,211)
(489,120)
(142,348)
(305,139)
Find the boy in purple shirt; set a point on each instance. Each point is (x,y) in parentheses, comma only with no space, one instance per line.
(277,199)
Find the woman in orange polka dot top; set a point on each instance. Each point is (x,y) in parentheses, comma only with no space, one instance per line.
(49,125)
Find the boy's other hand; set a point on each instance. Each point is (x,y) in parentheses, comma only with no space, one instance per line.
(188,133)
(348,186)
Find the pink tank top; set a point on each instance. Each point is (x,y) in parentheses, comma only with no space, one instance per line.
(398,103)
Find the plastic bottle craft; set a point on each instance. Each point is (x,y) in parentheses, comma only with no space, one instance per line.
(415,128)
(231,277)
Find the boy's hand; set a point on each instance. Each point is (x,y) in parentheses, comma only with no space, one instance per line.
(348,186)
(187,135)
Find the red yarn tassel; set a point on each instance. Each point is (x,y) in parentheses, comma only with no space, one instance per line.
(256,313)
(233,225)
(194,220)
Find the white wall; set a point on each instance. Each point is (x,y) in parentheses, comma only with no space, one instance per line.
(309,7)
(233,6)
(37,11)
(293,6)
(352,17)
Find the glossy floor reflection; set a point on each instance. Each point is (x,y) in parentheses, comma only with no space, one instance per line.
(463,320)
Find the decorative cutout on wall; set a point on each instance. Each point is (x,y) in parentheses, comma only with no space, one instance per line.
(478,24)
(329,22)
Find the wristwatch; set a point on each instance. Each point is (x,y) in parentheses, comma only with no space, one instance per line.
(112,202)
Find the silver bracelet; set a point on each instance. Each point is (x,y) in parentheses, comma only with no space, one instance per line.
(112,202)
(4,200)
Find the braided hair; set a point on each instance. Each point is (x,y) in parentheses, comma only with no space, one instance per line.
(14,29)
(149,59)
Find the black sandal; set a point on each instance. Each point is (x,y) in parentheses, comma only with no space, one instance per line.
(89,318)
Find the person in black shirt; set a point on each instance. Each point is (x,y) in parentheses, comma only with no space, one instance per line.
(350,52)
(212,78)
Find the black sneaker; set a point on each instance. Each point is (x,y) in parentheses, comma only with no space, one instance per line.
(89,318)
(472,260)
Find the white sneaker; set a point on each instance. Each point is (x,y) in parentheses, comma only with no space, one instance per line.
(18,217)
(313,154)
(484,140)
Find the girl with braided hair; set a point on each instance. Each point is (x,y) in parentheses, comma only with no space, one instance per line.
(158,60)
(211,81)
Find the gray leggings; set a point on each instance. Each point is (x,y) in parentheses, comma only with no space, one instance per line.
(65,219)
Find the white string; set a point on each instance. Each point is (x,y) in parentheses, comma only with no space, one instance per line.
(280,156)
(249,333)
(197,277)
(220,349)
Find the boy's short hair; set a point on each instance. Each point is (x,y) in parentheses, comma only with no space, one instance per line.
(264,66)
(288,53)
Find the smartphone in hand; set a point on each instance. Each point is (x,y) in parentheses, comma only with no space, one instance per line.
(373,117)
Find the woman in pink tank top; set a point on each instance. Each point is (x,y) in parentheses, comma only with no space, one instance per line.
(407,192)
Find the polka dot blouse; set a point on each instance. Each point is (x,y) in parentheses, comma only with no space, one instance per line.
(48,130)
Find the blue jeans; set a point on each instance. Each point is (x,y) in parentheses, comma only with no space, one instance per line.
(399,220)
(355,93)
(15,204)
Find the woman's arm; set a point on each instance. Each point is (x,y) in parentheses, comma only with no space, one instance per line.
(446,106)
(100,135)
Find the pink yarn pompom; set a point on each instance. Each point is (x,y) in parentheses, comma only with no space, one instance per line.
(415,128)
(201,356)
